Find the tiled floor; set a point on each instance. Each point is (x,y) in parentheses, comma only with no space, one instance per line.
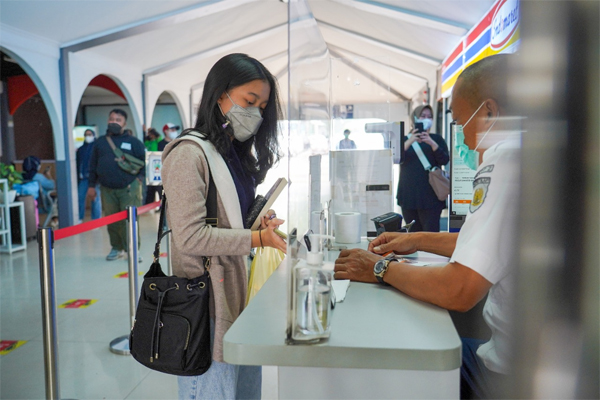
(87,369)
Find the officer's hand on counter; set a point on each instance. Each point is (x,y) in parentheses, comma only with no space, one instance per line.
(398,242)
(356,265)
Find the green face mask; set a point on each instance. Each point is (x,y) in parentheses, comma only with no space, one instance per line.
(469,157)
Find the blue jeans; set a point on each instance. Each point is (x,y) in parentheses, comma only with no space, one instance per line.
(222,381)
(82,188)
(476,381)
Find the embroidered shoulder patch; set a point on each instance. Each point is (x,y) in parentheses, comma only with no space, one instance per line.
(487,168)
(480,189)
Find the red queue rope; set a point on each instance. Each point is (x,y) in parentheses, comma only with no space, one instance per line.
(97,223)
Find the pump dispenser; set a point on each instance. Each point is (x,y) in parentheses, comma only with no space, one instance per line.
(312,296)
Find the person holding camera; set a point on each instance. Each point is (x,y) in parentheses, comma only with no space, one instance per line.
(415,195)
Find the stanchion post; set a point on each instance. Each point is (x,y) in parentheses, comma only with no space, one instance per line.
(120,345)
(45,238)
(132,252)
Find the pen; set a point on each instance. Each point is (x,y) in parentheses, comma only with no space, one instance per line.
(307,239)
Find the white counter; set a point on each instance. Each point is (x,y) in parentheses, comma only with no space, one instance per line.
(383,344)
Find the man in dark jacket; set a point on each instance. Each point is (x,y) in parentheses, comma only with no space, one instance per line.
(119,188)
(83,156)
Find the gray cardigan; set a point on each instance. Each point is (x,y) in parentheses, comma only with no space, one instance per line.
(185,177)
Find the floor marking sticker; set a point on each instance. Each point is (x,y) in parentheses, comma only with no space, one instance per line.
(78,303)
(126,274)
(6,346)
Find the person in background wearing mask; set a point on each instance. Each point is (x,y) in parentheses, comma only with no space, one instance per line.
(83,156)
(236,132)
(482,254)
(171,132)
(415,195)
(345,143)
(119,188)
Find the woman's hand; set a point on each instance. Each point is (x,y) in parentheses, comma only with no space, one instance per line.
(267,217)
(425,138)
(414,137)
(266,235)
(271,239)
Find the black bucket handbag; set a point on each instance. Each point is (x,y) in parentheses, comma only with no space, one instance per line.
(171,331)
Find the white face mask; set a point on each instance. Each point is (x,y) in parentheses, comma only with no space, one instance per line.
(427,123)
(89,139)
(245,122)
(173,134)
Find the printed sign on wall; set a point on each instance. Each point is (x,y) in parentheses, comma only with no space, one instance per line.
(497,32)
(153,167)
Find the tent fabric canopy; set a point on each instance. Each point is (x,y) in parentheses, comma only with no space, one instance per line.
(174,44)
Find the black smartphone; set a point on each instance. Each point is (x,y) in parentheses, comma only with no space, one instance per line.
(419,127)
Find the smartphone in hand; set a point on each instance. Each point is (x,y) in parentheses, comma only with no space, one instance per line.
(419,127)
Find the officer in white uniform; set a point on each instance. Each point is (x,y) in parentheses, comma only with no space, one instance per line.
(482,253)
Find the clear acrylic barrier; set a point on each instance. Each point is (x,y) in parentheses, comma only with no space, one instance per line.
(330,92)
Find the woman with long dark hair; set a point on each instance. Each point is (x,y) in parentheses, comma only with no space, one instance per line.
(234,143)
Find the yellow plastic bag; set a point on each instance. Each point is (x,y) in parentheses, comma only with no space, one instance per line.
(264,263)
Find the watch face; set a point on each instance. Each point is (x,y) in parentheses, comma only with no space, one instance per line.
(378,267)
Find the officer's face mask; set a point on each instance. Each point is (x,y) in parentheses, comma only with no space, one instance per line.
(245,122)
(114,128)
(89,139)
(469,157)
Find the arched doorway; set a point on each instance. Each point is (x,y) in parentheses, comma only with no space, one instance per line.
(166,123)
(26,130)
(100,97)
(166,111)
(26,126)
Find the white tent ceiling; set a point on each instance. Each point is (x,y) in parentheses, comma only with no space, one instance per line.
(174,43)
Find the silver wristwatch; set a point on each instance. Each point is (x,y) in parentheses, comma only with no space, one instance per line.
(381,267)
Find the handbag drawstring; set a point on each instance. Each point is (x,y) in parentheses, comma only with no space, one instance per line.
(154,343)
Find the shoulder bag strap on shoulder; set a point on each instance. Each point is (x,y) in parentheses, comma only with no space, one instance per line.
(211,211)
(117,152)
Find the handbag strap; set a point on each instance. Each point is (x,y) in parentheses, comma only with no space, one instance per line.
(211,212)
